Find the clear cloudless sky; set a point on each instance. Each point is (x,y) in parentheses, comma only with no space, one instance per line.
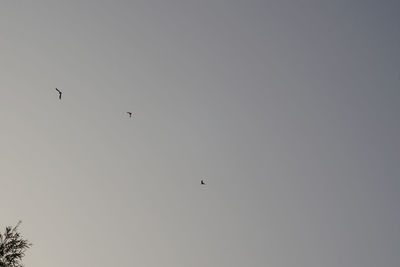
(288,109)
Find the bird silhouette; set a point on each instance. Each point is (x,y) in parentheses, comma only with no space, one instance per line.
(202,182)
(130,114)
(59,93)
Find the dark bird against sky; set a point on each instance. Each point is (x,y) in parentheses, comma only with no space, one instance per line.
(59,93)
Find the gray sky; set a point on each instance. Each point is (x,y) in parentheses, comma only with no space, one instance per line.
(288,109)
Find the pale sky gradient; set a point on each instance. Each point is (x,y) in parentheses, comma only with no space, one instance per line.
(289,109)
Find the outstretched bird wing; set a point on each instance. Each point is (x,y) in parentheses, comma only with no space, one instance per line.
(59,93)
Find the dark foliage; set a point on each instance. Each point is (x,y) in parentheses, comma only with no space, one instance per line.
(12,247)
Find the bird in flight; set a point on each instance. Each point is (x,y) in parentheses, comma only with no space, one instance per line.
(59,93)
(130,114)
(202,182)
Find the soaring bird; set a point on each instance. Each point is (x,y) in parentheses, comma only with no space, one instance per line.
(202,182)
(130,114)
(59,93)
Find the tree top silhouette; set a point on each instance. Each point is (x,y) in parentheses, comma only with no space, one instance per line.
(12,247)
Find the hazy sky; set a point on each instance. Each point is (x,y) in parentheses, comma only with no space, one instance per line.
(289,109)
